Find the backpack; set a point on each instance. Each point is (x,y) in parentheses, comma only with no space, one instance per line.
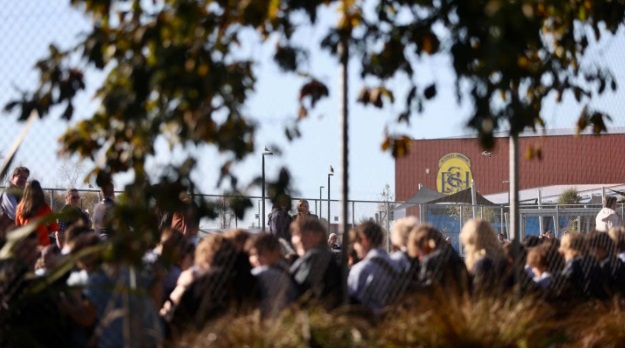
(398,284)
(279,224)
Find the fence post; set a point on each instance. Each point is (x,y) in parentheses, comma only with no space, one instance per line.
(388,228)
(460,216)
(541,228)
(556,225)
(353,214)
(501,220)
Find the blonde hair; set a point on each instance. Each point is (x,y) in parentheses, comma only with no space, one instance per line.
(239,237)
(214,250)
(423,235)
(479,240)
(401,230)
(618,236)
(572,244)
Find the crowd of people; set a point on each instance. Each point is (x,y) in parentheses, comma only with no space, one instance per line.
(184,283)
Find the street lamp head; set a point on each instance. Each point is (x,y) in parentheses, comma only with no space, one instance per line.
(322,187)
(267,152)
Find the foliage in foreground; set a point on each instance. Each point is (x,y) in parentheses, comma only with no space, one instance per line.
(293,328)
(598,326)
(428,321)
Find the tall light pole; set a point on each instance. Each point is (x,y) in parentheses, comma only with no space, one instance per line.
(265,153)
(320,201)
(331,173)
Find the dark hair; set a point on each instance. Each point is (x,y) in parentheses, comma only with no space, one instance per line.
(266,243)
(74,231)
(307,224)
(371,230)
(33,199)
(20,170)
(609,201)
(107,189)
(537,256)
(531,241)
(601,240)
(85,241)
(68,192)
(301,202)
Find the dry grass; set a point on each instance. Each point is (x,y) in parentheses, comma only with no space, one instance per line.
(294,328)
(428,321)
(598,325)
(440,321)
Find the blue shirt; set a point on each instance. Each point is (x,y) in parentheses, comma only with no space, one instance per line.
(369,282)
(117,305)
(401,261)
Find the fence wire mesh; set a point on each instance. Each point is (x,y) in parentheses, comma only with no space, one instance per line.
(98,297)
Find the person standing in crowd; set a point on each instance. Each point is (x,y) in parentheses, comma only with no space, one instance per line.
(279,222)
(501,238)
(303,209)
(537,262)
(370,281)
(10,198)
(399,240)
(32,206)
(333,242)
(316,272)
(101,212)
(167,257)
(602,248)
(186,219)
(618,237)
(607,217)
(440,266)
(272,271)
(210,289)
(106,291)
(71,214)
(484,255)
(581,276)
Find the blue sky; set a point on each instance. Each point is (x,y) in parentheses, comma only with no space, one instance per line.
(28,26)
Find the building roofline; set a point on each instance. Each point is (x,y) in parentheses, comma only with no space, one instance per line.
(539,133)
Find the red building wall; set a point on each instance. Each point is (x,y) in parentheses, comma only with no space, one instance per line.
(565,160)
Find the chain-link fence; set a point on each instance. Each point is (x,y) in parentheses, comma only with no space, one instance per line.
(535,220)
(447,218)
(30,306)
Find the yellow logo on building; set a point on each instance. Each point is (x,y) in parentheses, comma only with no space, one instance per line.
(454,173)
